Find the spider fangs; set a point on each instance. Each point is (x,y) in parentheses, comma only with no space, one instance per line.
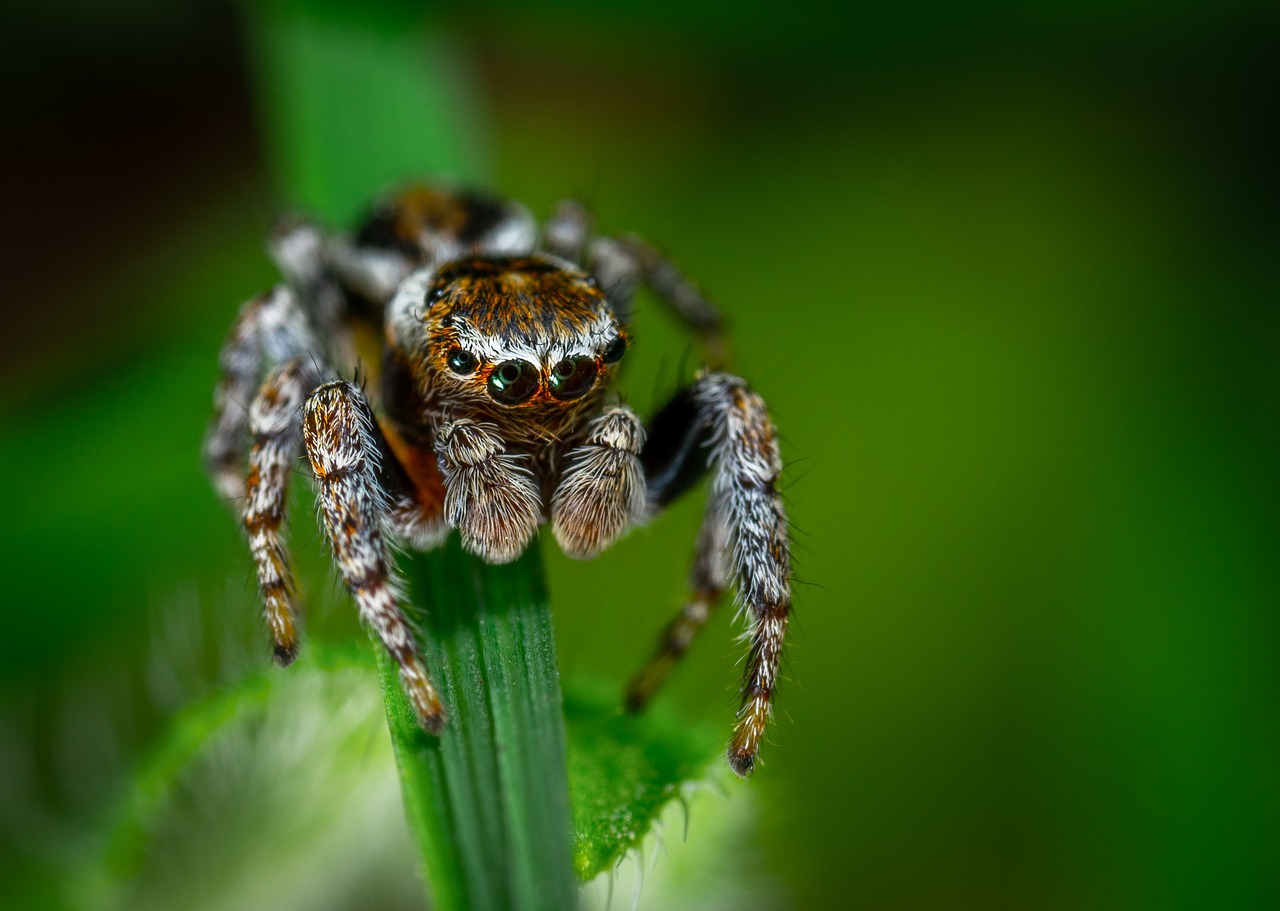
(490,418)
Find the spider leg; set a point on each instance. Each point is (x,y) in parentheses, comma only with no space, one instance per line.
(372,272)
(270,328)
(301,252)
(674,287)
(297,247)
(490,496)
(601,491)
(620,264)
(743,537)
(274,422)
(708,581)
(674,458)
(341,439)
(566,232)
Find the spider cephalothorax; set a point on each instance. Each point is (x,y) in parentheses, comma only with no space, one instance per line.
(525,342)
(491,418)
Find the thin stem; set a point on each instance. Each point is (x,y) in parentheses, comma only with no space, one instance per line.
(488,799)
(356,97)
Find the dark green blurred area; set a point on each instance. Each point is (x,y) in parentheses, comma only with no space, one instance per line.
(1008,281)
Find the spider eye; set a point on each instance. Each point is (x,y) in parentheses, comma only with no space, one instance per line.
(463,363)
(573,376)
(513,382)
(617,348)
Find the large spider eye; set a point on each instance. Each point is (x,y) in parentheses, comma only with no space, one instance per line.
(573,376)
(513,382)
(463,363)
(617,348)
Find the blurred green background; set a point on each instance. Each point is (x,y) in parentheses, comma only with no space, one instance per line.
(1007,278)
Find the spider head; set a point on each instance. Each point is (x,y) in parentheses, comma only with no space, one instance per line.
(526,333)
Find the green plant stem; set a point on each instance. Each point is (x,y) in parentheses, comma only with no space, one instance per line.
(488,799)
(356,97)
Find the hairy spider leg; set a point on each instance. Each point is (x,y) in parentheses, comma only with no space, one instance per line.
(341,439)
(270,329)
(620,264)
(567,231)
(271,332)
(708,581)
(240,365)
(674,459)
(302,253)
(719,424)
(297,247)
(682,295)
(274,423)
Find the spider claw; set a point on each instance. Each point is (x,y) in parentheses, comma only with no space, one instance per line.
(741,761)
(430,711)
(285,654)
(637,698)
(434,724)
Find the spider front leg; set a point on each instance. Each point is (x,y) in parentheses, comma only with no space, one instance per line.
(490,496)
(602,490)
(743,538)
(341,439)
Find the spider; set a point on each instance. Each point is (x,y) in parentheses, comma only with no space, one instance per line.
(498,343)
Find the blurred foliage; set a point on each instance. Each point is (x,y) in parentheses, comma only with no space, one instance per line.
(1006,277)
(360,95)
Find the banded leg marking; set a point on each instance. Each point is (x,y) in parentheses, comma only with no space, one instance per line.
(743,538)
(270,329)
(747,466)
(339,432)
(277,442)
(240,364)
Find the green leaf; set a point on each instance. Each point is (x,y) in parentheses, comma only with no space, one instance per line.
(624,770)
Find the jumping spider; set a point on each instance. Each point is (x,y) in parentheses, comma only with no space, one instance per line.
(498,345)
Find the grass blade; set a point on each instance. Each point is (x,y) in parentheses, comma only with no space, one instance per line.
(356,97)
(488,798)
